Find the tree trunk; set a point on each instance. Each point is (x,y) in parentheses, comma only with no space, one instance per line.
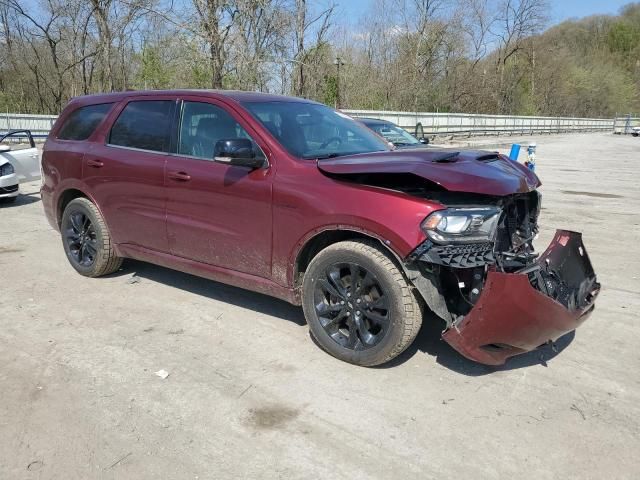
(299,81)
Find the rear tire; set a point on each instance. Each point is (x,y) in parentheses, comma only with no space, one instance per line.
(359,306)
(86,240)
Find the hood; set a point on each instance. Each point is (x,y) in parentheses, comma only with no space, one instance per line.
(472,171)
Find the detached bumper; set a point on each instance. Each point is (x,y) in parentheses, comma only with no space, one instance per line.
(512,316)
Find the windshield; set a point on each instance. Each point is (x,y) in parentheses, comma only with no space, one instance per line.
(394,134)
(309,130)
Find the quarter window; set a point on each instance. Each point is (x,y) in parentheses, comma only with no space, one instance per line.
(81,123)
(204,124)
(144,125)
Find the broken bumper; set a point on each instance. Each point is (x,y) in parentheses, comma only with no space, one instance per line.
(512,316)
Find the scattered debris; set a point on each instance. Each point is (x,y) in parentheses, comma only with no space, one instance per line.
(35,465)
(245,390)
(162,373)
(543,360)
(134,279)
(446,402)
(592,194)
(148,329)
(577,409)
(118,461)
(179,331)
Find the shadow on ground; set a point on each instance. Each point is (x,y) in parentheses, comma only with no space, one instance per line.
(214,290)
(22,199)
(428,340)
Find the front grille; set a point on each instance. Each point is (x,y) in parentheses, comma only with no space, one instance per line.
(460,256)
(11,189)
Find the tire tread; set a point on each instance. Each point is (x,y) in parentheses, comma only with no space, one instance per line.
(413,308)
(106,259)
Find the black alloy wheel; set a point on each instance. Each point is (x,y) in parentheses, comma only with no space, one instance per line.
(351,306)
(359,306)
(81,238)
(86,239)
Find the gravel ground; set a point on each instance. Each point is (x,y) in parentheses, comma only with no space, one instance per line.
(249,395)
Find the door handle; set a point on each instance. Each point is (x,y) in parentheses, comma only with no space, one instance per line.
(179,176)
(95,163)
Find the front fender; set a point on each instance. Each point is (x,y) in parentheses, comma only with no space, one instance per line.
(310,236)
(323,204)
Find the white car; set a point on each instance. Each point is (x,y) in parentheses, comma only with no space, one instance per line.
(18,163)
(635,131)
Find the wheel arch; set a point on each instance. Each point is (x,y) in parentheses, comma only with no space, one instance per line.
(320,240)
(65,198)
(71,192)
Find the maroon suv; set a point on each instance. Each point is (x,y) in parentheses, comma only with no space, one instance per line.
(291,198)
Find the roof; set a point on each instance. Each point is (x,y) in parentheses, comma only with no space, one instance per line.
(237,95)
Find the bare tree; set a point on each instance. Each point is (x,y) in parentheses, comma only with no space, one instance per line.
(516,20)
(304,54)
(216,19)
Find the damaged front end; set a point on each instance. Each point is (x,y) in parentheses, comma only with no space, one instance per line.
(479,272)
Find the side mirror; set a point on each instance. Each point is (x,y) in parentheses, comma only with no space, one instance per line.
(5,148)
(424,141)
(237,151)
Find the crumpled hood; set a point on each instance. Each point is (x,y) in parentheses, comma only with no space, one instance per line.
(472,171)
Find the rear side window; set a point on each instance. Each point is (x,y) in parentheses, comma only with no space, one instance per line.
(143,125)
(81,123)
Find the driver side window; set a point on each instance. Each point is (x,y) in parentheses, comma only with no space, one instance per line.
(202,125)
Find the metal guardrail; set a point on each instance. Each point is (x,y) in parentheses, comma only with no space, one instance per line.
(430,123)
(38,124)
(471,124)
(625,125)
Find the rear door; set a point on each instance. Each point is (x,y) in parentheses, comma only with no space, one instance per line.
(217,214)
(23,154)
(125,172)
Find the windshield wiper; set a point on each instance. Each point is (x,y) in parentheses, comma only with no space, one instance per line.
(326,155)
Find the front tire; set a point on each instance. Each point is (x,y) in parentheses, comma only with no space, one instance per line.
(86,240)
(359,306)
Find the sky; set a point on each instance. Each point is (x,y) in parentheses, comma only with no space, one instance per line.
(560,9)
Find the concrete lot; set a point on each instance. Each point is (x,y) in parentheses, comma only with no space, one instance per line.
(249,395)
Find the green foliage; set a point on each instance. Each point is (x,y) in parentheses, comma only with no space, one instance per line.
(200,75)
(330,91)
(623,37)
(588,67)
(154,73)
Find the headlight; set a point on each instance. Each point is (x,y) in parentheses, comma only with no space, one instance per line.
(6,169)
(462,225)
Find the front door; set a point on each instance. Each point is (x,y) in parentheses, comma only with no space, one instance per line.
(19,148)
(217,214)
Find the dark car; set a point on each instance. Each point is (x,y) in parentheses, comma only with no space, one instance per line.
(393,134)
(291,198)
